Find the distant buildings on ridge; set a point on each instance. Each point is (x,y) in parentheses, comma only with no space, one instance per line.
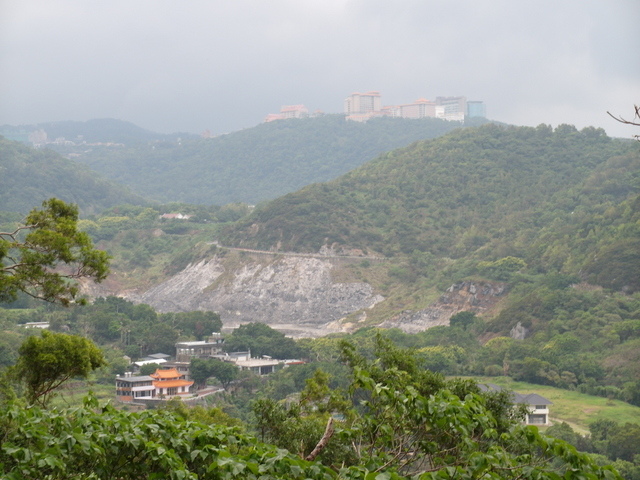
(288,111)
(360,107)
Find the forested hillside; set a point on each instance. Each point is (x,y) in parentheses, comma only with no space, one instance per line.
(553,214)
(489,192)
(254,164)
(29,176)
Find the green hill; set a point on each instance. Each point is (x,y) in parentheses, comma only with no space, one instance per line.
(31,176)
(487,192)
(554,215)
(254,164)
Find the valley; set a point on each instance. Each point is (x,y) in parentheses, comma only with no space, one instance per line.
(487,252)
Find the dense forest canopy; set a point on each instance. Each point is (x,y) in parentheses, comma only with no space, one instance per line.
(490,191)
(31,176)
(254,164)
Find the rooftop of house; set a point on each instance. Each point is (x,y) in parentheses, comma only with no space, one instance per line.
(158,355)
(531,399)
(141,378)
(257,362)
(166,374)
(172,383)
(194,343)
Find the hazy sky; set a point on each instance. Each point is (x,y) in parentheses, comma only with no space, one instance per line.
(191,65)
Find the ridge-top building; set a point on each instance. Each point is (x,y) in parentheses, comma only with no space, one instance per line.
(362,106)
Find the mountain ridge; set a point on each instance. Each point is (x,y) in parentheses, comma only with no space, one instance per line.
(255,164)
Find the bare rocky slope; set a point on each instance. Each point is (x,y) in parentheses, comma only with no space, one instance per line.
(477,297)
(294,293)
(297,294)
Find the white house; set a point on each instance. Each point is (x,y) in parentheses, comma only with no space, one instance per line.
(538,406)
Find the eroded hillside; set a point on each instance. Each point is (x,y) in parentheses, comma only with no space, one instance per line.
(293,292)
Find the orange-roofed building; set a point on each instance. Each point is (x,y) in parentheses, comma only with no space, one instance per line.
(170,382)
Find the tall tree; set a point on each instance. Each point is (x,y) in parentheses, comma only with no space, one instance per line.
(47,361)
(42,257)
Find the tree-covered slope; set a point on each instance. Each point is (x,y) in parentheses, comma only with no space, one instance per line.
(487,192)
(29,176)
(258,163)
(100,130)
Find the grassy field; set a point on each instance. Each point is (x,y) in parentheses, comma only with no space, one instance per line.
(577,409)
(73,393)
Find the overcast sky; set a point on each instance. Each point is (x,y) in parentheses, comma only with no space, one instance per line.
(191,65)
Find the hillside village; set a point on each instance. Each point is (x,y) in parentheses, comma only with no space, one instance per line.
(172,378)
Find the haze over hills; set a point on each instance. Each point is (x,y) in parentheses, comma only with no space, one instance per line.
(101,130)
(29,176)
(255,164)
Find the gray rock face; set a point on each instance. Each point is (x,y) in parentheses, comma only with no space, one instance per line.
(519,332)
(289,290)
(458,297)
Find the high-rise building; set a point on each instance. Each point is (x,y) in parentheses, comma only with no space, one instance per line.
(421,108)
(294,111)
(362,103)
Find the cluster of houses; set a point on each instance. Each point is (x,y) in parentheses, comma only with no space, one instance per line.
(172,377)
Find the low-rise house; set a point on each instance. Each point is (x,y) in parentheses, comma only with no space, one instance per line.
(260,366)
(131,389)
(43,325)
(185,351)
(164,383)
(176,216)
(181,367)
(538,406)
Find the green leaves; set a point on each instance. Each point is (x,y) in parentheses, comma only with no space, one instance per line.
(112,444)
(53,252)
(47,361)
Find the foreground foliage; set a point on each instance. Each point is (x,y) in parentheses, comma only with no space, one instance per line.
(402,421)
(46,362)
(105,443)
(611,442)
(398,421)
(102,442)
(42,257)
